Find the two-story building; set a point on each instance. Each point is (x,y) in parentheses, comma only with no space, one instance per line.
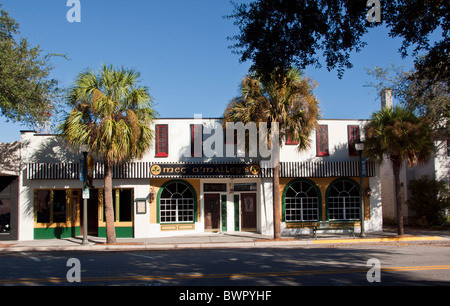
(178,187)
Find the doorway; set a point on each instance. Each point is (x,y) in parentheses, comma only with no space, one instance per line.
(92,209)
(212,212)
(248,211)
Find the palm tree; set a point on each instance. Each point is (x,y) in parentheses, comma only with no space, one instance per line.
(397,134)
(112,115)
(283,98)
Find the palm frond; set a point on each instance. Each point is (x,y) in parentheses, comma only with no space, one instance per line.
(400,135)
(111,113)
(283,98)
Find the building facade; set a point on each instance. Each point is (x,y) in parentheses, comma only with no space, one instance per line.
(437,167)
(178,187)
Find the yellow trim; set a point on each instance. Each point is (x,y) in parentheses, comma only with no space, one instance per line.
(177,227)
(186,227)
(71,219)
(117,224)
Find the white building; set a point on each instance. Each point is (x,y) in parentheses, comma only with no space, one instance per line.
(177,189)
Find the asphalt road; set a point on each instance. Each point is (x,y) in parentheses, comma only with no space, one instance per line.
(378,264)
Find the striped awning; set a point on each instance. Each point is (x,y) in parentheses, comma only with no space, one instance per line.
(324,169)
(143,170)
(71,171)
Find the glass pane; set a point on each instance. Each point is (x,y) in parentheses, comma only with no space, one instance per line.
(245,187)
(5,216)
(176,204)
(125,205)
(43,206)
(214,187)
(59,206)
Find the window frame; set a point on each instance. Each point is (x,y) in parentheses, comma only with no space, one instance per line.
(353,140)
(51,213)
(119,204)
(290,142)
(192,129)
(177,210)
(319,150)
(159,153)
(318,203)
(346,206)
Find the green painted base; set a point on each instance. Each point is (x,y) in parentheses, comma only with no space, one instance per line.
(56,233)
(68,232)
(121,232)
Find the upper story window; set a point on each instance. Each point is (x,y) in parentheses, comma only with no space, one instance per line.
(289,140)
(162,140)
(322,140)
(196,140)
(353,138)
(230,136)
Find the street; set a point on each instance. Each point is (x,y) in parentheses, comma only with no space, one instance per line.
(338,265)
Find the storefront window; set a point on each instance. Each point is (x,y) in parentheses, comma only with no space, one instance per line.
(43,206)
(59,206)
(5,215)
(51,206)
(343,200)
(125,205)
(301,202)
(177,203)
(5,204)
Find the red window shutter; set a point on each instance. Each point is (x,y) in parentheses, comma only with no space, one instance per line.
(162,141)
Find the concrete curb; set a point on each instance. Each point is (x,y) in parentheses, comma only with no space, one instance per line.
(209,245)
(387,239)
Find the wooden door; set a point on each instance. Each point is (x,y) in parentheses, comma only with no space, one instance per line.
(248,211)
(212,211)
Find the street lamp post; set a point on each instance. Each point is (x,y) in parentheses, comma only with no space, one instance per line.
(359,146)
(85,150)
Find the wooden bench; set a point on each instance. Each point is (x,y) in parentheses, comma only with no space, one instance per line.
(331,226)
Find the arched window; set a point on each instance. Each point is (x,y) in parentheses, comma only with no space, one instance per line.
(177,203)
(301,199)
(343,200)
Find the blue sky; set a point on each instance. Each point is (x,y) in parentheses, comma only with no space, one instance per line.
(181,49)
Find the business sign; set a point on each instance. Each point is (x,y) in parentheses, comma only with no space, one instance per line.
(205,169)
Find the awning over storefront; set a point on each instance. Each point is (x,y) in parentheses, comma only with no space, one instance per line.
(147,170)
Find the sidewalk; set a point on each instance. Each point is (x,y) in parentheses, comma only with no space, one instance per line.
(217,240)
